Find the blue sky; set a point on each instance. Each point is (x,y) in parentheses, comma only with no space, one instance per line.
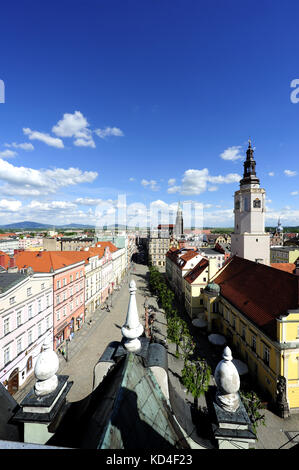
(152,99)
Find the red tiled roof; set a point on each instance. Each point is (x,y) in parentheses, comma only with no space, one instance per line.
(112,247)
(287,267)
(43,261)
(196,271)
(260,292)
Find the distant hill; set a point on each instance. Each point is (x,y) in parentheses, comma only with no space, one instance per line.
(36,225)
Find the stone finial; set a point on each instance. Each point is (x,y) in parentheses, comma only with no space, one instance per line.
(132,328)
(45,369)
(228,383)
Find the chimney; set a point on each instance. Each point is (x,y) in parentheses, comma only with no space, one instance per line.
(12,267)
(2,261)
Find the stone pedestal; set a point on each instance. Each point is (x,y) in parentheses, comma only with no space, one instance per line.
(233,430)
(41,414)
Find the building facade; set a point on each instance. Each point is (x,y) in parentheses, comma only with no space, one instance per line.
(26,320)
(256,307)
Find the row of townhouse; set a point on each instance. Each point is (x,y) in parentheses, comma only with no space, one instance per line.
(188,273)
(50,293)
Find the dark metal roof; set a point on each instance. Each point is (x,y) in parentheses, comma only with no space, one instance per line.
(126,411)
(8,280)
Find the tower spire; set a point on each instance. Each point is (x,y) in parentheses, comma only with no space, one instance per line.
(249,175)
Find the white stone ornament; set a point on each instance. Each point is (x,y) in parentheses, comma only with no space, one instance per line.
(45,369)
(132,328)
(228,383)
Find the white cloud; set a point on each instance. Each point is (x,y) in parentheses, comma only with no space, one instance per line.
(109,131)
(213,188)
(44,181)
(75,125)
(171,181)
(23,146)
(46,138)
(232,153)
(70,125)
(132,179)
(195,181)
(294,193)
(152,184)
(50,206)
(8,154)
(290,173)
(10,205)
(85,201)
(271,173)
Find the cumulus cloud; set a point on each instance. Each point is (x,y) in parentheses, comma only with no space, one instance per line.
(75,125)
(196,181)
(271,173)
(290,173)
(50,206)
(232,153)
(10,205)
(44,181)
(171,181)
(294,193)
(132,179)
(46,138)
(108,132)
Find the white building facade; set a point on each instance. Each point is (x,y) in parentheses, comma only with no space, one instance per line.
(249,239)
(26,320)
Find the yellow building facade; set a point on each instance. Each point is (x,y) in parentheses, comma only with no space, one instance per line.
(267,358)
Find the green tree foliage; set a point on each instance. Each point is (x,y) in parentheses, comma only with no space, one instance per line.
(196,378)
(253,405)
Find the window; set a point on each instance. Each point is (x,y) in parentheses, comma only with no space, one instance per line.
(12,300)
(77,275)
(257,203)
(48,322)
(58,284)
(39,329)
(39,305)
(19,346)
(71,278)
(57,299)
(30,337)
(6,326)
(58,316)
(47,301)
(29,291)
(29,364)
(19,319)
(6,355)
(30,314)
(234,322)
(243,331)
(266,355)
(64,281)
(253,343)
(42,286)
(64,311)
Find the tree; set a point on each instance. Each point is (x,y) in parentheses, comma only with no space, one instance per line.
(252,405)
(196,378)
(176,329)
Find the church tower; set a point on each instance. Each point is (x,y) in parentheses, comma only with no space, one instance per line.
(249,239)
(179,225)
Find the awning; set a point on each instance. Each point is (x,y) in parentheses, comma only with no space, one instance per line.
(61,328)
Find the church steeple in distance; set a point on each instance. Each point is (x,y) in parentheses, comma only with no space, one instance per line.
(179,224)
(249,175)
